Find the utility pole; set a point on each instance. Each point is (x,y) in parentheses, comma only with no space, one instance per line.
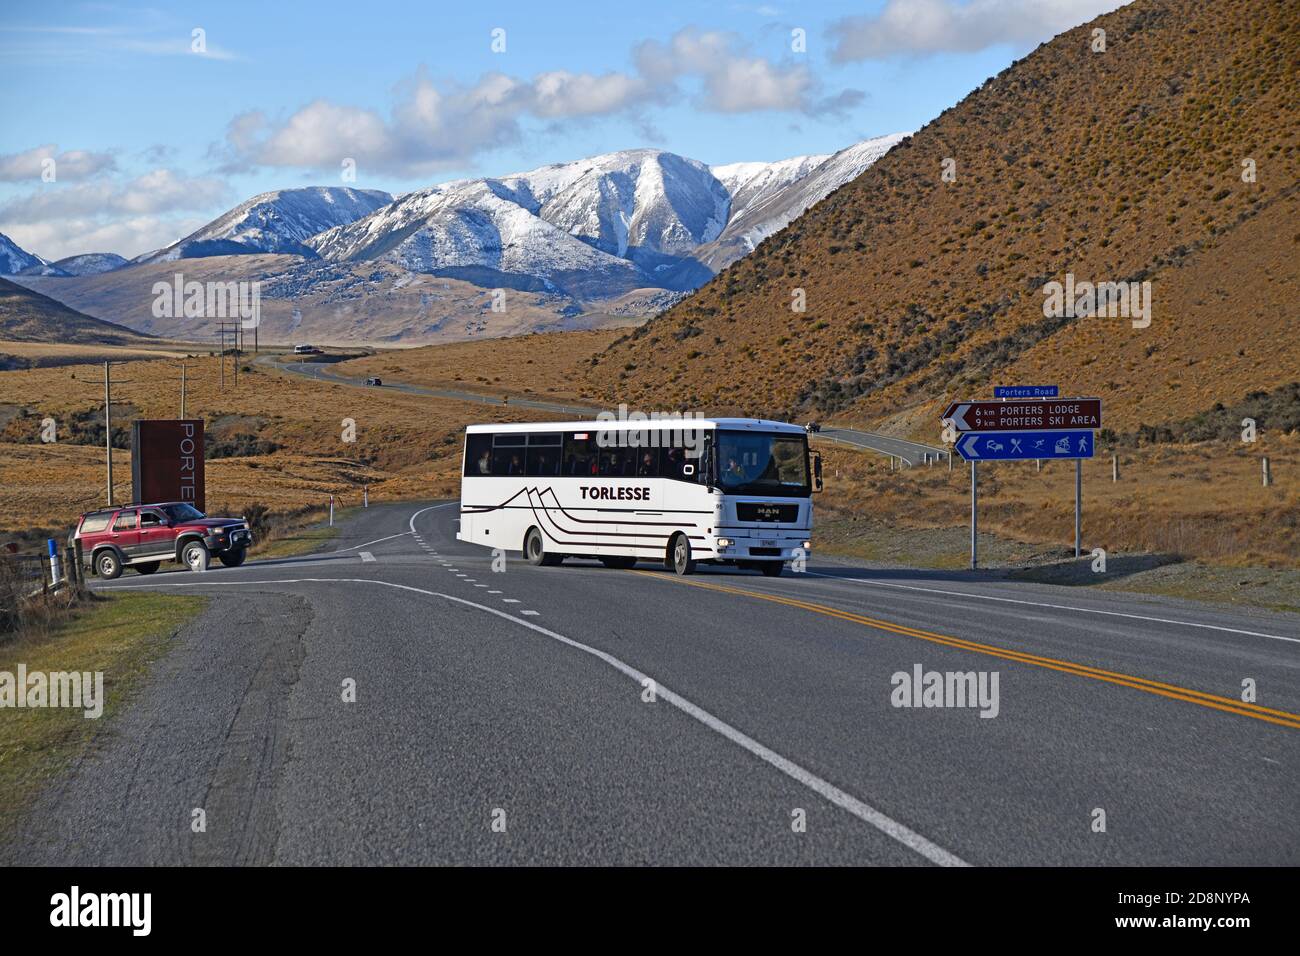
(108,427)
(183,368)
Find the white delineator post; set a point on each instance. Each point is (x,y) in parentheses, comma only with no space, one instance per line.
(55,575)
(974,497)
(331,511)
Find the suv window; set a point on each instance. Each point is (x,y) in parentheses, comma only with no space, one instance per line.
(125,521)
(96,522)
(150,519)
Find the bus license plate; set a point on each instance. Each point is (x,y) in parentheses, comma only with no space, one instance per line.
(766,543)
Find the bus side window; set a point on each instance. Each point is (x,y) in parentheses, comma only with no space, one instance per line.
(676,461)
(579,454)
(544,452)
(478,455)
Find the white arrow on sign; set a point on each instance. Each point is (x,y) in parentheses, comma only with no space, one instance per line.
(959,417)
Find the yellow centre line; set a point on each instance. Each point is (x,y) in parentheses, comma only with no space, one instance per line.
(1173,691)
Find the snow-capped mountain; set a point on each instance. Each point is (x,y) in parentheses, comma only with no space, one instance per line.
(89,264)
(15,259)
(767,197)
(598,226)
(280,222)
(598,240)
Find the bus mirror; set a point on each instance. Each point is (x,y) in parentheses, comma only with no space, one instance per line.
(817,471)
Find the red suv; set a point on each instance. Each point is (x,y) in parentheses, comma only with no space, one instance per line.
(144,536)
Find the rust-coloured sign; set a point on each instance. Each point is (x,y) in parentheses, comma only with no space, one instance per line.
(167,461)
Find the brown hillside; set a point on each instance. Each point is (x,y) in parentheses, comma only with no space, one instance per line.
(27,316)
(1114,166)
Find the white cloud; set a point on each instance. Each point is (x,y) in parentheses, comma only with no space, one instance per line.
(158,191)
(435,127)
(733,80)
(922,27)
(69,166)
(130,236)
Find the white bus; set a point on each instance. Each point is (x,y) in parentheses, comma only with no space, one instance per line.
(722,490)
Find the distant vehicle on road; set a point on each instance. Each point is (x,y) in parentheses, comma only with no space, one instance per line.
(144,536)
(306,350)
(373,380)
(724,490)
(813,428)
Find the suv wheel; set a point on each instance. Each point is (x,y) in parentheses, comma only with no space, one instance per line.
(108,565)
(234,557)
(194,555)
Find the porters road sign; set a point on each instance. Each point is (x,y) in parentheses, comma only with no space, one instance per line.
(1038,414)
(1026,391)
(1018,446)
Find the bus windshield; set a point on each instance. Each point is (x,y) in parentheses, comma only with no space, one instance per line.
(755,463)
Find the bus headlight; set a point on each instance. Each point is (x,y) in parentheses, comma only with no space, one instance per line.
(807,545)
(725,542)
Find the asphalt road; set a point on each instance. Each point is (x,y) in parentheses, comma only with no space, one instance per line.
(520,696)
(910,452)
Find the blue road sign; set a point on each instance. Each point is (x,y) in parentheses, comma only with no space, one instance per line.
(1026,391)
(1019,446)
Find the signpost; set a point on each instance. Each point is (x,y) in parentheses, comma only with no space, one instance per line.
(167,461)
(1029,423)
(1023,446)
(1035,414)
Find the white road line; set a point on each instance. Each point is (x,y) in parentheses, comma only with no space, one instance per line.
(494,592)
(366,557)
(510,600)
(366,544)
(529,613)
(1057,607)
(828,791)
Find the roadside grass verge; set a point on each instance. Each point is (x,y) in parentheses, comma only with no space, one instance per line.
(304,533)
(120,636)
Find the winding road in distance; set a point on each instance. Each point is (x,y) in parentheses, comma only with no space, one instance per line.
(910,452)
(577,714)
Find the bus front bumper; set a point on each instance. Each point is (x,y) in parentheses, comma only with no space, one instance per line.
(779,546)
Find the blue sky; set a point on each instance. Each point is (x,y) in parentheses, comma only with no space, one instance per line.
(152,133)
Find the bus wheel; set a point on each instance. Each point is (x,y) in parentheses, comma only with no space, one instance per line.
(535,551)
(679,555)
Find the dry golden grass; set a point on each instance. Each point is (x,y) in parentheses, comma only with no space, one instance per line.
(1112,166)
(544,364)
(1204,501)
(406,446)
(60,353)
